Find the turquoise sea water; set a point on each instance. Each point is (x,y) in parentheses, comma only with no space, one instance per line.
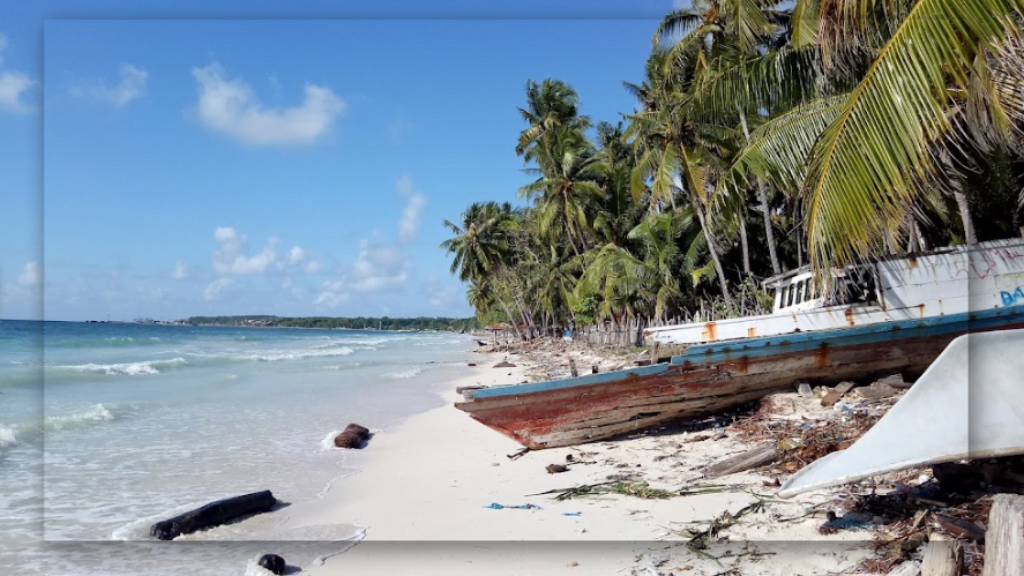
(105,428)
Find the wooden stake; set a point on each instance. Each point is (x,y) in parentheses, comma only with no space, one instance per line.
(942,557)
(1004,541)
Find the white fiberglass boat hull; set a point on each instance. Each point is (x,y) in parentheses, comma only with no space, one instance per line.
(968,404)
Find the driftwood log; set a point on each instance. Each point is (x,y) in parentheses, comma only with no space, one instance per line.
(1004,540)
(213,514)
(750,459)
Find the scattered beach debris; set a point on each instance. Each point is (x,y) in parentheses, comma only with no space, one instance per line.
(354,436)
(637,489)
(504,364)
(517,454)
(753,458)
(496,506)
(850,521)
(836,393)
(804,389)
(699,539)
(471,364)
(556,468)
(273,563)
(572,513)
(213,514)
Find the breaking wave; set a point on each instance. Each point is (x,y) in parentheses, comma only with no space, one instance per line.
(405,374)
(126,369)
(92,415)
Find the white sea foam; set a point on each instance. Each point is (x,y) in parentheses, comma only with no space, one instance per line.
(405,374)
(93,414)
(8,436)
(148,367)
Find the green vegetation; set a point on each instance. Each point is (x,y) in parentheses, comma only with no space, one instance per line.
(767,136)
(360,323)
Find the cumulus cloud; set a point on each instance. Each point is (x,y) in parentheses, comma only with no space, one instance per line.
(296,255)
(31,275)
(180,271)
(230,106)
(214,289)
(410,221)
(332,294)
(132,86)
(13,85)
(313,266)
(231,257)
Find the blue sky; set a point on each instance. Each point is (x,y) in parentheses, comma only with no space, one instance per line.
(290,167)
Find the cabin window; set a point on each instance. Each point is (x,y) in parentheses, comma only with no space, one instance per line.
(800,292)
(782,297)
(789,299)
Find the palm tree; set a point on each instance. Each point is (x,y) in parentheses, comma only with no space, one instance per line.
(551,106)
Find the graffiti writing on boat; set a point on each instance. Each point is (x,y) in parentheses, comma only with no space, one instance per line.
(1012,298)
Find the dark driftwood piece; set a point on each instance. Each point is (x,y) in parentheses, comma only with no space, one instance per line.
(750,459)
(273,562)
(213,514)
(1004,541)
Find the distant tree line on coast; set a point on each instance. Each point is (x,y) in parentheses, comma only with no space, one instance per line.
(767,135)
(326,322)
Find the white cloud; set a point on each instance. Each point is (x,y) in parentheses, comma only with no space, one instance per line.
(296,255)
(12,86)
(31,275)
(410,221)
(180,270)
(313,266)
(213,290)
(231,257)
(230,106)
(377,268)
(131,86)
(332,293)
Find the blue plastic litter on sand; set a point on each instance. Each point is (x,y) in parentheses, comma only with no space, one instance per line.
(496,506)
(570,513)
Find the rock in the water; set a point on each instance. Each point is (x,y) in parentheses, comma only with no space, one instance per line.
(504,364)
(272,562)
(353,437)
(556,468)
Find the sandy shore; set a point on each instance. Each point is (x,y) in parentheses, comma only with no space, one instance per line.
(426,486)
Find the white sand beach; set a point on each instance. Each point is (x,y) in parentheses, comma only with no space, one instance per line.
(426,486)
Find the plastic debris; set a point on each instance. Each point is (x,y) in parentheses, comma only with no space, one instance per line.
(571,513)
(496,506)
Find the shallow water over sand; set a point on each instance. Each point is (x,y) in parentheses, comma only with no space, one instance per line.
(140,422)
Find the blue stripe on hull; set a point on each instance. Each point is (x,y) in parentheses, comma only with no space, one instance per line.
(570,382)
(867,334)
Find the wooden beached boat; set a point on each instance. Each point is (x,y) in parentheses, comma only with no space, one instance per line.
(892,315)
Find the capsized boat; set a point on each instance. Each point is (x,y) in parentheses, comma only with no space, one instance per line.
(968,404)
(892,315)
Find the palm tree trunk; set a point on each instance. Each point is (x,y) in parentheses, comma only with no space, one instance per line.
(699,208)
(762,196)
(965,216)
(743,242)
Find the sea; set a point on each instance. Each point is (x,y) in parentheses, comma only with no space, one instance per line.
(106,428)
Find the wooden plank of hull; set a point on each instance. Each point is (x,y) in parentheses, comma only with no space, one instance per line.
(572,415)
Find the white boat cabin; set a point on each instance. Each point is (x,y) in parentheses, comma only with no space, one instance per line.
(946,281)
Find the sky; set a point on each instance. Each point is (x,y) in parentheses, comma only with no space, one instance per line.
(184,159)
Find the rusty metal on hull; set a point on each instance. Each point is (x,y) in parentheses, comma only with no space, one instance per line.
(690,389)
